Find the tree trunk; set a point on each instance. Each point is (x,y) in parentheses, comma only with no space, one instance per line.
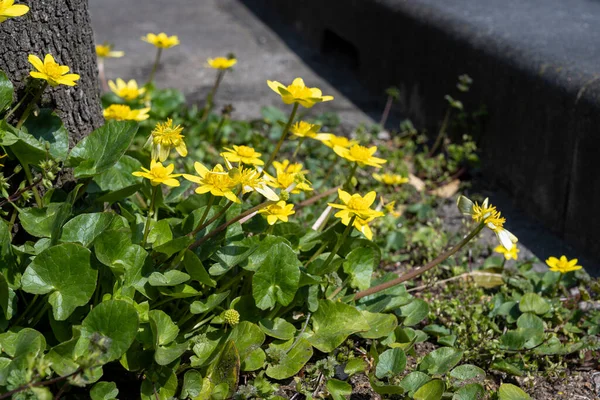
(61,28)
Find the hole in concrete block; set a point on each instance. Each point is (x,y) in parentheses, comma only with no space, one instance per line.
(340,49)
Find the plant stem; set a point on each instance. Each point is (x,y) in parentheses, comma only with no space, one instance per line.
(386,111)
(38,384)
(211,95)
(349,180)
(16,107)
(150,212)
(209,204)
(339,243)
(29,176)
(317,254)
(231,221)
(27,310)
(212,219)
(329,172)
(300,334)
(416,272)
(31,104)
(282,138)
(442,133)
(217,134)
(155,66)
(295,155)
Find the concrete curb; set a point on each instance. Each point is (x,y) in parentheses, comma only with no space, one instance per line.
(534,67)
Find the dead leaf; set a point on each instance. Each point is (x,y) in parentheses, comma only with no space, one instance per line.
(416,182)
(448,190)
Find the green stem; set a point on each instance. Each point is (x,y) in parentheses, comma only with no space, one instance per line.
(317,254)
(349,180)
(31,104)
(36,194)
(150,212)
(27,310)
(212,219)
(209,204)
(338,289)
(211,95)
(442,133)
(416,272)
(217,134)
(295,155)
(339,243)
(155,66)
(231,221)
(282,138)
(557,286)
(16,107)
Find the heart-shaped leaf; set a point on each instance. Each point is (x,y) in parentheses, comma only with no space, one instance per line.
(102,148)
(440,361)
(511,392)
(359,266)
(277,278)
(333,322)
(534,303)
(391,363)
(65,272)
(432,390)
(278,328)
(85,228)
(6,92)
(290,361)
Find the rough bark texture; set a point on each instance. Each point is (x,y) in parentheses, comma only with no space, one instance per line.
(61,28)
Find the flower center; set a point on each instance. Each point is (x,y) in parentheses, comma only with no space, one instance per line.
(245,151)
(360,152)
(159,172)
(299,92)
(53,70)
(357,203)
(218,180)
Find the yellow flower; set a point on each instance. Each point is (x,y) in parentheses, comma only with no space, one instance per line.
(105,51)
(221,62)
(289,176)
(304,129)
(390,208)
(244,154)
(162,41)
(121,112)
(51,72)
(361,155)
(159,174)
(165,137)
(128,91)
(562,265)
(508,254)
(297,92)
(1,157)
(356,205)
(250,180)
(278,211)
(8,10)
(333,141)
(390,179)
(217,182)
(492,218)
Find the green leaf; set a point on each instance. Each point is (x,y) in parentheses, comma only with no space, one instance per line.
(65,272)
(467,372)
(338,389)
(163,387)
(163,328)
(247,338)
(40,131)
(6,298)
(532,302)
(333,322)
(104,391)
(8,264)
(6,92)
(291,361)
(383,389)
(200,307)
(391,363)
(278,328)
(507,367)
(170,278)
(359,265)
(85,228)
(192,385)
(386,300)
(102,148)
(472,391)
(440,361)
(39,222)
(511,392)
(414,381)
(513,340)
(205,348)
(414,312)
(355,365)
(160,233)
(116,320)
(225,370)
(381,325)
(533,329)
(119,176)
(277,278)
(432,390)
(196,270)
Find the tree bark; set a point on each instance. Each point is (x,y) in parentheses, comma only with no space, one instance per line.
(61,28)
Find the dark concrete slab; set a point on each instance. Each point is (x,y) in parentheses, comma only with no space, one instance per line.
(536,66)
